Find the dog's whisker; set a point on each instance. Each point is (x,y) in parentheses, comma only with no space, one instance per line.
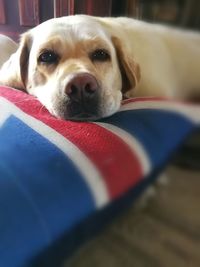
(41,109)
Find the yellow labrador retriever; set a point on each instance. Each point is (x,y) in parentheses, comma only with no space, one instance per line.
(80,67)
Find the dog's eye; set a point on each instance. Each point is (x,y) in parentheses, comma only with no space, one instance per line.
(100,55)
(48,57)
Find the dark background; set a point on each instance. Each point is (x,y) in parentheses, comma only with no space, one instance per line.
(16,16)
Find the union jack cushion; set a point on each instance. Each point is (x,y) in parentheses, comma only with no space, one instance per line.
(61,181)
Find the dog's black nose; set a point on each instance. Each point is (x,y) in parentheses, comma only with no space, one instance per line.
(82,86)
(83,92)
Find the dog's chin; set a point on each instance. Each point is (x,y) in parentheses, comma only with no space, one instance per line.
(82,113)
(79,117)
(77,112)
(82,116)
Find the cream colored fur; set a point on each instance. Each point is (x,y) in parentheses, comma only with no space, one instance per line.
(145,60)
(8,47)
(169,58)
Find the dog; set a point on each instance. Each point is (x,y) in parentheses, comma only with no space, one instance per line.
(80,67)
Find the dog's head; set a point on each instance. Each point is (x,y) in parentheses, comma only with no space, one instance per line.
(74,66)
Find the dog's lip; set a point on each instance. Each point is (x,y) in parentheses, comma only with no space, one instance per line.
(83,117)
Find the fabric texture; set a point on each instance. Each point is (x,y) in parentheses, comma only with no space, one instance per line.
(62,181)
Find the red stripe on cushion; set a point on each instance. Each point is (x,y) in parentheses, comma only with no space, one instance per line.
(119,166)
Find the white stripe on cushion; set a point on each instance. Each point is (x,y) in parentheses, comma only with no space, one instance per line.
(90,173)
(191,112)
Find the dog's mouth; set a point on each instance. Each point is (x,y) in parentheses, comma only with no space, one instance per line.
(82,111)
(84,117)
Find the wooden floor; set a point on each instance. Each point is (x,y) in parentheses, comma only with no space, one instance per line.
(165,233)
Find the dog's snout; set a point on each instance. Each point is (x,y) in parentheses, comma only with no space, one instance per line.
(83,93)
(82,86)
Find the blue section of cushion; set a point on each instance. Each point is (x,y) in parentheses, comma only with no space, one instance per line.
(158,131)
(43,196)
(35,206)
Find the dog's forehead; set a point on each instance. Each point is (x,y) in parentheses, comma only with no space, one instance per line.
(79,27)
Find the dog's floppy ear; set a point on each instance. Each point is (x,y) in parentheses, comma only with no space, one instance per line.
(130,70)
(15,70)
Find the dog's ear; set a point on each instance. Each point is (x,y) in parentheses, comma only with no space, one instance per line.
(130,70)
(14,71)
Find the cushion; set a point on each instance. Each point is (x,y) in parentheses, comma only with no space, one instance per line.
(63,181)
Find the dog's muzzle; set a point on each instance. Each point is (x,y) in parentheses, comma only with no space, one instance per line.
(83,97)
